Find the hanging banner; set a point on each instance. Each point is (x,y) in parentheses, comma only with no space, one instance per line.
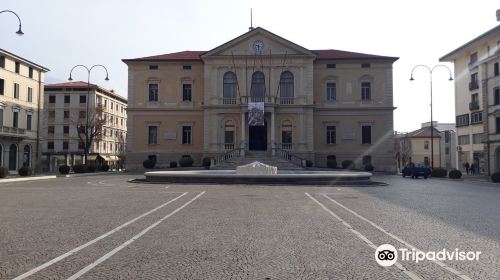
(256,113)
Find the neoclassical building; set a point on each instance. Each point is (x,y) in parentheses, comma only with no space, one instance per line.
(261,94)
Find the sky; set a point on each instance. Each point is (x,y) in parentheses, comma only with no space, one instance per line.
(62,33)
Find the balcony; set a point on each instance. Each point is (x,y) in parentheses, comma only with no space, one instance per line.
(472,65)
(14,132)
(242,100)
(474,106)
(473,85)
(286,146)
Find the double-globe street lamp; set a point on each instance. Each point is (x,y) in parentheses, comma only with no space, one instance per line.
(87,138)
(431,71)
(20,31)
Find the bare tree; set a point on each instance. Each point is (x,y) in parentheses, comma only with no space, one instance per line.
(89,125)
(403,149)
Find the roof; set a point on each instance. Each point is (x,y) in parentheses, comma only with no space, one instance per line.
(452,54)
(424,132)
(177,56)
(40,67)
(338,54)
(82,84)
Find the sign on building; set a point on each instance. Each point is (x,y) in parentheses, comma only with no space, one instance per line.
(256,113)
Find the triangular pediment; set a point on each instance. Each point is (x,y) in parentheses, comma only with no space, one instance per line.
(258,41)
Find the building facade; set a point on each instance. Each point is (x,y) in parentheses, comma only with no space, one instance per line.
(21,103)
(66,108)
(477,101)
(260,93)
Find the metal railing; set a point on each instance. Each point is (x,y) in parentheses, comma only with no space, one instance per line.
(474,106)
(286,100)
(296,100)
(287,155)
(228,146)
(473,85)
(286,146)
(226,100)
(227,155)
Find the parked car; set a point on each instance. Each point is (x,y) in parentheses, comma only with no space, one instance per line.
(416,170)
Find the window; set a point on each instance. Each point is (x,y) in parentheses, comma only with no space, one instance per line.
(475,98)
(463,140)
(258,88)
(28,122)
(121,121)
(50,145)
(81,146)
(153,135)
(229,138)
(331,92)
(365,91)
(286,135)
(186,67)
(30,72)
(65,145)
(497,124)
(477,138)
(66,114)
(186,92)
(331,134)
(331,65)
(366,134)
(83,99)
(15,119)
(67,99)
(2,61)
(473,58)
(50,129)
(496,69)
(153,92)
(18,67)
(16,91)
(52,99)
(153,67)
(30,94)
(426,145)
(286,87)
(82,114)
(365,65)
(476,117)
(66,129)
(447,136)
(229,88)
(462,120)
(187,135)
(1,121)
(447,150)
(52,114)
(116,107)
(496,95)
(2,86)
(474,82)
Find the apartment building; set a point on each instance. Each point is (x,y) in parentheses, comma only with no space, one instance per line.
(261,94)
(71,104)
(21,102)
(477,100)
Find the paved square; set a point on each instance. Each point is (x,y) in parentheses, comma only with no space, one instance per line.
(103,227)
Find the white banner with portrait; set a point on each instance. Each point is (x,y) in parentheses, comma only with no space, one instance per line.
(256,113)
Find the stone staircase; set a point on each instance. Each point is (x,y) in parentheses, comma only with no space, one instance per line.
(264,157)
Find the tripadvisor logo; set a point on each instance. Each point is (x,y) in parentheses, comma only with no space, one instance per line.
(387,255)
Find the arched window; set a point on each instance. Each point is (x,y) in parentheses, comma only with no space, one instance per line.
(27,156)
(258,89)
(286,88)
(286,135)
(229,88)
(229,131)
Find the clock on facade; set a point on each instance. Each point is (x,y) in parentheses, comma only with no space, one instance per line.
(258,46)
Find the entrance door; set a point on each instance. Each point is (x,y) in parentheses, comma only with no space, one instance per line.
(258,138)
(498,161)
(13,157)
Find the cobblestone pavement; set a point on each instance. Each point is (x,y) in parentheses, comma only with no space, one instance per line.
(103,227)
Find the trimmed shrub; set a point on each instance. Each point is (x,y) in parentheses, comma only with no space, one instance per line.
(206,162)
(331,161)
(495,177)
(348,164)
(455,174)
(3,172)
(25,171)
(439,172)
(309,163)
(186,161)
(104,168)
(91,168)
(173,164)
(80,168)
(369,167)
(149,163)
(64,169)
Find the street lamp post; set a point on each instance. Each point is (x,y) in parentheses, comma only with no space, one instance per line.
(19,31)
(431,70)
(87,139)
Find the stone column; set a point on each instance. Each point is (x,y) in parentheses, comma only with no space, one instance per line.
(242,134)
(273,134)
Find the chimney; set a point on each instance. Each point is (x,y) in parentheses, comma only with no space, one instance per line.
(498,15)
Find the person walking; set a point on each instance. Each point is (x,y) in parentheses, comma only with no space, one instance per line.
(472,169)
(467,166)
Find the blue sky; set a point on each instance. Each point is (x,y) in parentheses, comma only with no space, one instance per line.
(62,33)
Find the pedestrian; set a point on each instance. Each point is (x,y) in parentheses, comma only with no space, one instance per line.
(467,167)
(472,169)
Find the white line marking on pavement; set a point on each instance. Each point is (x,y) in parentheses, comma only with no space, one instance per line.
(410,274)
(440,263)
(63,256)
(128,242)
